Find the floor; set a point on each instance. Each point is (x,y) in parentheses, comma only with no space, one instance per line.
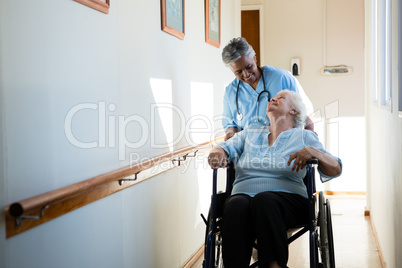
(354,240)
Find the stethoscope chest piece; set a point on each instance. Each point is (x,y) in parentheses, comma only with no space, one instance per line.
(239,116)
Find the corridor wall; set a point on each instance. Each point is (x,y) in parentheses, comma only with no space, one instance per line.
(84,93)
(384,132)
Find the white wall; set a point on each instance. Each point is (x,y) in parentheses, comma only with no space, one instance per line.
(295,29)
(55,55)
(2,181)
(384,146)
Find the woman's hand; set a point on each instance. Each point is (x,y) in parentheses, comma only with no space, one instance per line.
(328,165)
(301,158)
(217,158)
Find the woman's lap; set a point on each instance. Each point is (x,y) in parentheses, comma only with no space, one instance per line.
(266,217)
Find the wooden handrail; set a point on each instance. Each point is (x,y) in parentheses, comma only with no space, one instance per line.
(28,213)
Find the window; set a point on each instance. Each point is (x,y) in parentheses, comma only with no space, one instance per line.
(385,52)
(400,60)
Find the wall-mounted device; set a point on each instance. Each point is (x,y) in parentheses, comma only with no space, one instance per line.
(336,70)
(295,66)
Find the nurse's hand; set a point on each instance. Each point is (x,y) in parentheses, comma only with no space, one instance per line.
(217,158)
(230,131)
(310,125)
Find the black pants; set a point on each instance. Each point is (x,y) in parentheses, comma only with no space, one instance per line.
(265,217)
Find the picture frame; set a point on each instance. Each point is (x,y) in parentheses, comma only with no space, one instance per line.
(100,5)
(172,17)
(213,22)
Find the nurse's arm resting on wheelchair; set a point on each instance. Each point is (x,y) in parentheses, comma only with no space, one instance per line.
(269,195)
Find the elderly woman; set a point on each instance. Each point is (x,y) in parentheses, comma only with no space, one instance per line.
(244,103)
(269,195)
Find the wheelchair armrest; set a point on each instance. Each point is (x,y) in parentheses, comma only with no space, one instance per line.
(312,161)
(309,180)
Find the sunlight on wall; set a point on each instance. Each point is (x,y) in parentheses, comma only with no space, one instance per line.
(202,111)
(332,139)
(162,114)
(352,151)
(201,125)
(344,137)
(332,127)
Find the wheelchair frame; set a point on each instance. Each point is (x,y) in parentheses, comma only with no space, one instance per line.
(319,225)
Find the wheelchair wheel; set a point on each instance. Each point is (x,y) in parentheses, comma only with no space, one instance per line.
(213,246)
(323,232)
(314,251)
(330,236)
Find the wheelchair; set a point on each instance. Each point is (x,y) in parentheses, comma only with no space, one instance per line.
(321,245)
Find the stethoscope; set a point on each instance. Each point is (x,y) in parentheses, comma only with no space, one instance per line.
(239,114)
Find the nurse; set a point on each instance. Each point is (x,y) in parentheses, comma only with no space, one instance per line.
(247,96)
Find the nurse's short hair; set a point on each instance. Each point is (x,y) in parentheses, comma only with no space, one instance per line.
(235,49)
(299,106)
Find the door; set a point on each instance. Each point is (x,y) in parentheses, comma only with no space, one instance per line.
(250,29)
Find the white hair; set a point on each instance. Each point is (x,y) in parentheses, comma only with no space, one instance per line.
(297,103)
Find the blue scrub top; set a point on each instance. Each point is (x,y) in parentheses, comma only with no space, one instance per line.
(275,80)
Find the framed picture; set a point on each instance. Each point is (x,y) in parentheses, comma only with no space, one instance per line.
(100,5)
(173,17)
(213,22)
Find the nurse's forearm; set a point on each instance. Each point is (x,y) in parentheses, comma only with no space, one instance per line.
(230,131)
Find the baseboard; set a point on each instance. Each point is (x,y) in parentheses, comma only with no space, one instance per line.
(344,193)
(193,259)
(383,264)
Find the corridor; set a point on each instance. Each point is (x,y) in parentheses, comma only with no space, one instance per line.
(354,240)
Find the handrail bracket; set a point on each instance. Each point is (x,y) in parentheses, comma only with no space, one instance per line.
(20,219)
(184,158)
(128,179)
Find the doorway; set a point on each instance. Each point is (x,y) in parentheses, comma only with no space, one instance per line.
(250,29)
